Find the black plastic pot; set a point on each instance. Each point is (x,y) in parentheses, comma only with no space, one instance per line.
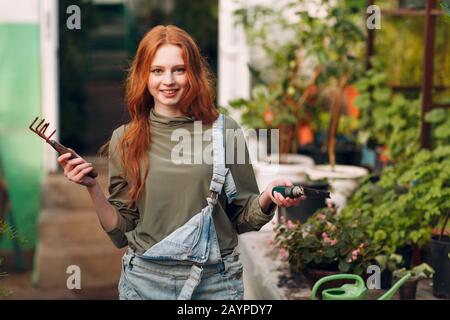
(407,253)
(408,290)
(308,206)
(440,250)
(386,279)
(346,153)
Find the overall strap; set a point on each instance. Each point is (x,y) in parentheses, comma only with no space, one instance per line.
(219,170)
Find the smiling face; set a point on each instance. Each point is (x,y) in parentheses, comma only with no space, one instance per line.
(167,80)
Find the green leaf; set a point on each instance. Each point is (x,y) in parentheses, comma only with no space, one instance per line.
(443,131)
(442,151)
(382,94)
(330,253)
(344,266)
(436,115)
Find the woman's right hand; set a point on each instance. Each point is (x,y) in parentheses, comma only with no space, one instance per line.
(76,169)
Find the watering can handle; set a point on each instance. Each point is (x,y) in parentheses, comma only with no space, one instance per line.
(390,293)
(358,279)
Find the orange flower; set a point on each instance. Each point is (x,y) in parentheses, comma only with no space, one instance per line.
(268,117)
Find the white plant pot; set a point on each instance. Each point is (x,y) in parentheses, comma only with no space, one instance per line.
(294,169)
(343,180)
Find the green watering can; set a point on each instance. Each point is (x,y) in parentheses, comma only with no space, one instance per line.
(355,291)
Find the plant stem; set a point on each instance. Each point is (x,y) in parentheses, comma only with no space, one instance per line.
(334,119)
(445,224)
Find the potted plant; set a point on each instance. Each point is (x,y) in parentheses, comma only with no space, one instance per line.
(335,40)
(388,263)
(411,194)
(409,289)
(326,244)
(283,97)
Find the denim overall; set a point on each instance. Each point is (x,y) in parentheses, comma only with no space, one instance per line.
(190,252)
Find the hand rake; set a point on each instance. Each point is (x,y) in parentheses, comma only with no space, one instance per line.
(40,131)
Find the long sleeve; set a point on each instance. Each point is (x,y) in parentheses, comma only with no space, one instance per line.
(118,188)
(245,211)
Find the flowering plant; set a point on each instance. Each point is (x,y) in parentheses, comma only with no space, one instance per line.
(326,241)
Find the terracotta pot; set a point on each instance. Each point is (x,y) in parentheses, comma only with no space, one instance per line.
(313,275)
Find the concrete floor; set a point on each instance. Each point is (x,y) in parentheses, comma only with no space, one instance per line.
(20,284)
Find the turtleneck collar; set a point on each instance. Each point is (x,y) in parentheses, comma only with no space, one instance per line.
(156,118)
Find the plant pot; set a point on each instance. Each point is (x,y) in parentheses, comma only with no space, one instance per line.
(386,279)
(408,290)
(290,166)
(308,206)
(342,179)
(407,253)
(346,154)
(440,250)
(314,275)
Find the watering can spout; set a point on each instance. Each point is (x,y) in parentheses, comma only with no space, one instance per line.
(390,293)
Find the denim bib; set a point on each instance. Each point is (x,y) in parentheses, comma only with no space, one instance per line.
(196,241)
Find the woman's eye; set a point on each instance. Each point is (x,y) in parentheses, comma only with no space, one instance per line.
(180,70)
(156,71)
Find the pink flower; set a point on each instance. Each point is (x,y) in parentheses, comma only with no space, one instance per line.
(290,225)
(327,240)
(270,242)
(273,222)
(283,253)
(355,254)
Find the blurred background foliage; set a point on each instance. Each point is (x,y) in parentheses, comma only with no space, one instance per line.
(94,60)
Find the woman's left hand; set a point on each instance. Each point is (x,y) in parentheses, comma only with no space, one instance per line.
(277,198)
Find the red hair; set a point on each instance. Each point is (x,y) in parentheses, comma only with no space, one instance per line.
(197,101)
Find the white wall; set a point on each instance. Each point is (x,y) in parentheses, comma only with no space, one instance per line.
(44,13)
(48,17)
(233,74)
(235,54)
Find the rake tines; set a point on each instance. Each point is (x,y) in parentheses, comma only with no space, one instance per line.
(41,128)
(40,131)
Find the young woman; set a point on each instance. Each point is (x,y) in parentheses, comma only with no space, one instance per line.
(179,219)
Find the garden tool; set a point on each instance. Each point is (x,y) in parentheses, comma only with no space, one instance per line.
(40,131)
(298,191)
(355,291)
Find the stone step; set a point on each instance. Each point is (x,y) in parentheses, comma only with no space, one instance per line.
(59,192)
(75,237)
(62,228)
(99,265)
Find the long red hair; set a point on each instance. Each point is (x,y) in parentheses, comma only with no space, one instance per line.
(197,101)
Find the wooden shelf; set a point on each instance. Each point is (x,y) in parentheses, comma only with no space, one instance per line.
(440,105)
(397,12)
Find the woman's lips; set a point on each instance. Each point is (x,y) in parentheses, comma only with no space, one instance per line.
(170,93)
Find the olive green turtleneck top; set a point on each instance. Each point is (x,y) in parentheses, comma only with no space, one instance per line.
(174,192)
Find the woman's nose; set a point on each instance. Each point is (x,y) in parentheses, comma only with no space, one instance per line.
(168,78)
